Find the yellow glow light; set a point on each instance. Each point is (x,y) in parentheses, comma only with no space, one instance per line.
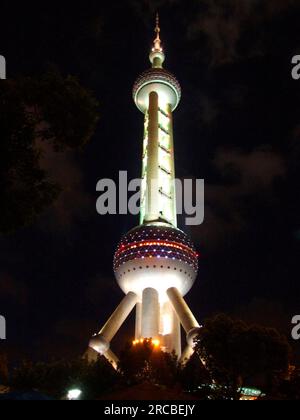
(156,343)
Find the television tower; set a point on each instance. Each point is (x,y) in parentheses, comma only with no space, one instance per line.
(155,264)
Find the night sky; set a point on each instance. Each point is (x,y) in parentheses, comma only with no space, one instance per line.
(238,127)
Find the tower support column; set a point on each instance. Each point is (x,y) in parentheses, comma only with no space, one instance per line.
(138,321)
(101,342)
(150,314)
(112,358)
(176,335)
(185,315)
(186,355)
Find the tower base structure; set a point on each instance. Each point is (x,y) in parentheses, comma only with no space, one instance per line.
(155,265)
(175,309)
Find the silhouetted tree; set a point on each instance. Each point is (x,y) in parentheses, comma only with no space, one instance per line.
(3,369)
(49,109)
(234,352)
(193,374)
(145,362)
(56,378)
(288,388)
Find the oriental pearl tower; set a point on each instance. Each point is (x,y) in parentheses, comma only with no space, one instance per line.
(155,264)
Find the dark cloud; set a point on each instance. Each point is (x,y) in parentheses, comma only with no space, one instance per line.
(209,109)
(78,328)
(144,8)
(12,290)
(242,175)
(101,288)
(255,170)
(295,146)
(73,201)
(268,313)
(211,106)
(223,23)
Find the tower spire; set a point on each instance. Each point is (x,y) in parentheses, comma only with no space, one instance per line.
(157,56)
(157,41)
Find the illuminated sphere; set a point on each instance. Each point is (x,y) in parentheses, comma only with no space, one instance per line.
(157,55)
(158,257)
(160,81)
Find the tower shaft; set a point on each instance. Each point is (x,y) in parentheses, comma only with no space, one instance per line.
(158,202)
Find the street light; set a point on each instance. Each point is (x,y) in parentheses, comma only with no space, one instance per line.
(74,394)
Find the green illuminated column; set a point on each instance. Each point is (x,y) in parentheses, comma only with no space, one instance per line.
(152,193)
(158,202)
(173,205)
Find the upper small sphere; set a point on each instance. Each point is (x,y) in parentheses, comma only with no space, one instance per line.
(160,81)
(159,56)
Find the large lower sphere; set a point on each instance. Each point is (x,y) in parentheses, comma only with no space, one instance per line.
(158,257)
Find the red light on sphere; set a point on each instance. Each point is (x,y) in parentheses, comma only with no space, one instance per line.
(141,244)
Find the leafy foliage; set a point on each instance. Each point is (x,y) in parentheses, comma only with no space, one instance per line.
(144,362)
(229,355)
(234,352)
(50,108)
(57,378)
(193,374)
(289,389)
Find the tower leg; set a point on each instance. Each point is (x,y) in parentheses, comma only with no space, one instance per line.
(138,321)
(92,356)
(176,335)
(150,314)
(170,329)
(101,342)
(185,315)
(112,358)
(186,355)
